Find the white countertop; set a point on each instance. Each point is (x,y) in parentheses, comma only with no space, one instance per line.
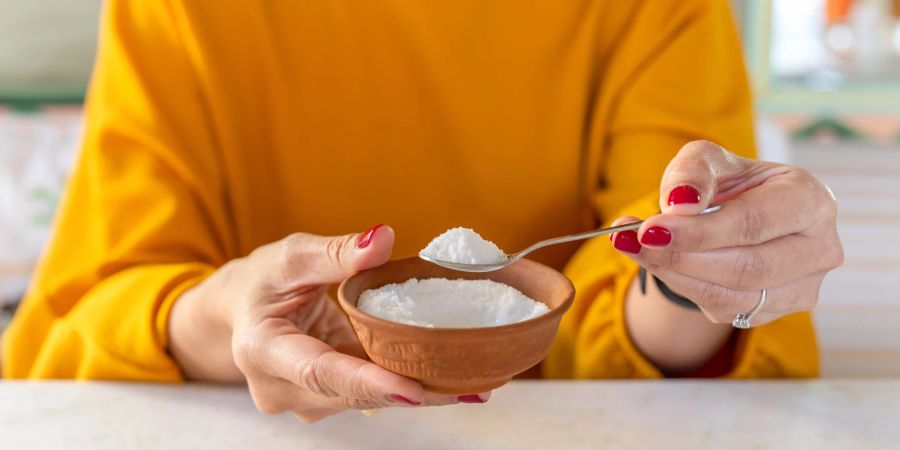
(860,414)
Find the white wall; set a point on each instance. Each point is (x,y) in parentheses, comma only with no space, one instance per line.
(858,316)
(46,43)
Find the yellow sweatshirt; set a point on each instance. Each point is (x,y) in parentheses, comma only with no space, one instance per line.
(214,127)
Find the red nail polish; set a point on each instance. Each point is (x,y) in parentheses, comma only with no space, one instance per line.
(656,236)
(401,399)
(365,239)
(684,194)
(627,241)
(470,398)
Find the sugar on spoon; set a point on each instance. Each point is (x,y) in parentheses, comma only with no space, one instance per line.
(513,257)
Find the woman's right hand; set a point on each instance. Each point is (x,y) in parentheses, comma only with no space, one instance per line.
(267,319)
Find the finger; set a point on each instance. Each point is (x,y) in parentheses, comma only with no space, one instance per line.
(313,415)
(303,259)
(474,398)
(691,179)
(774,209)
(721,305)
(773,263)
(329,379)
(625,241)
(268,394)
(332,327)
(309,416)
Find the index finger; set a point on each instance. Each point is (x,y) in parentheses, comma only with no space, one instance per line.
(334,380)
(360,384)
(771,210)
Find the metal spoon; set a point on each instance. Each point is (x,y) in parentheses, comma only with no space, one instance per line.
(513,257)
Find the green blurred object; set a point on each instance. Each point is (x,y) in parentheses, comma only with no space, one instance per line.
(828,124)
(25,101)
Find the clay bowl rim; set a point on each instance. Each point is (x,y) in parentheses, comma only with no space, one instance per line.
(352,310)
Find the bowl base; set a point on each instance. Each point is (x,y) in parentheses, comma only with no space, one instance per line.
(467,389)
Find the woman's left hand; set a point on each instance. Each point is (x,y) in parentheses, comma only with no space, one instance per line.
(776,231)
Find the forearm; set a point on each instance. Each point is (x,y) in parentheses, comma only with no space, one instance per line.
(200,332)
(677,340)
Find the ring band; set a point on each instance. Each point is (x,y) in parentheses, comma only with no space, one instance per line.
(742,321)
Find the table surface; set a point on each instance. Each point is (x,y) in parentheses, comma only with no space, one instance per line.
(851,414)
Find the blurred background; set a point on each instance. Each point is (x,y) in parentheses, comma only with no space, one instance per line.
(826,75)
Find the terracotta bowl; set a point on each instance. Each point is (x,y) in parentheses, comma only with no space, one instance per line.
(459,360)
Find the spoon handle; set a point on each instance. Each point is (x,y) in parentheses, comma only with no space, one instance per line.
(595,233)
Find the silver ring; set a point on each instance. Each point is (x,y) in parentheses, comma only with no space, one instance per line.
(742,321)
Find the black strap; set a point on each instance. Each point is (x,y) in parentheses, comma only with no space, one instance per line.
(669,293)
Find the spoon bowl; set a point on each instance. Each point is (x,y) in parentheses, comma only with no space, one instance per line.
(513,257)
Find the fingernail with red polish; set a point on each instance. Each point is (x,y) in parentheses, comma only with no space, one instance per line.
(627,241)
(659,236)
(396,398)
(470,398)
(365,239)
(683,194)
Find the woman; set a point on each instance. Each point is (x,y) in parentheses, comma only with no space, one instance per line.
(217,131)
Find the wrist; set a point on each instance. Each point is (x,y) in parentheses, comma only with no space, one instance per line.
(219,299)
(200,331)
(676,339)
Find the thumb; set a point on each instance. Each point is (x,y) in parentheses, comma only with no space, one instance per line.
(317,260)
(691,180)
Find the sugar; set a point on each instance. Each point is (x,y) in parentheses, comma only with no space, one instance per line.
(463,245)
(443,303)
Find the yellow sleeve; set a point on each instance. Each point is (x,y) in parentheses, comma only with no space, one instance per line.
(681,78)
(142,219)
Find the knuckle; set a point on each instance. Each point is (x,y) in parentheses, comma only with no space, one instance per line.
(718,302)
(824,203)
(267,407)
(265,403)
(307,418)
(836,255)
(702,146)
(674,259)
(750,226)
(693,159)
(709,297)
(285,256)
(309,379)
(244,351)
(652,267)
(335,250)
(289,246)
(750,269)
(811,299)
(358,384)
(361,403)
(699,236)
